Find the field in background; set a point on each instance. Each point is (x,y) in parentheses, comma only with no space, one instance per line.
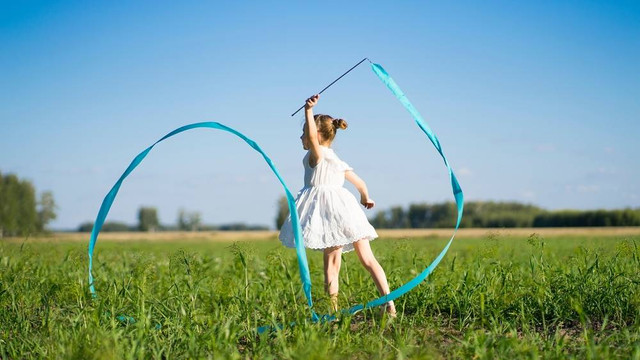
(226,236)
(499,293)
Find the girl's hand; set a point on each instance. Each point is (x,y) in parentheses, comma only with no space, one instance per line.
(367,203)
(311,102)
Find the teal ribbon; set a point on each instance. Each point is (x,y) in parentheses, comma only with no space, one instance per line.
(457,192)
(295,221)
(108,201)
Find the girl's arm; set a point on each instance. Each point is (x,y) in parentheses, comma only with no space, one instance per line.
(311,131)
(362,189)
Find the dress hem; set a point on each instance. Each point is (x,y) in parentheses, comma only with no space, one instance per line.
(343,244)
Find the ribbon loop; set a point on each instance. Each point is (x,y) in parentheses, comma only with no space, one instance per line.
(111,195)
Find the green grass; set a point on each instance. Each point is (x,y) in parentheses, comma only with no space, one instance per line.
(491,297)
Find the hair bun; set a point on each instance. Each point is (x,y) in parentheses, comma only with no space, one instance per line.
(339,124)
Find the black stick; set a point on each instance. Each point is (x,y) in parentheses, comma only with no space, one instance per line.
(334,81)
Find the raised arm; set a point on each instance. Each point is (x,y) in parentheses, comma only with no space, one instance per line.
(311,131)
(362,189)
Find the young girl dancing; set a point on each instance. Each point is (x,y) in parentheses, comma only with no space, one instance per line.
(330,216)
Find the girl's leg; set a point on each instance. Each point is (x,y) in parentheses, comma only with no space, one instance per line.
(368,260)
(332,261)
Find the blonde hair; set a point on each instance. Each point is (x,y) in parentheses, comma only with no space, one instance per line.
(327,126)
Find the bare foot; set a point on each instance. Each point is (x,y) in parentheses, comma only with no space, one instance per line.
(390,309)
(334,302)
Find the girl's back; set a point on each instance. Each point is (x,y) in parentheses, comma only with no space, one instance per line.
(330,171)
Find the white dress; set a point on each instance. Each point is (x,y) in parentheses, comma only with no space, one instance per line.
(329,214)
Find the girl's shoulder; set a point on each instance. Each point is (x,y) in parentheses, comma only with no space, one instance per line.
(333,158)
(328,154)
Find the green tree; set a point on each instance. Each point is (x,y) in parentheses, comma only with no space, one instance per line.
(109,226)
(17,206)
(28,221)
(148,219)
(85,226)
(182,220)
(189,221)
(380,220)
(3,207)
(283,211)
(47,210)
(8,204)
(418,215)
(398,218)
(115,226)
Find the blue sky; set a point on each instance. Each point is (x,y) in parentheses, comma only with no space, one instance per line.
(534,102)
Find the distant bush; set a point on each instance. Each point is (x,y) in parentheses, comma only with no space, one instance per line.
(115,226)
(241,227)
(626,217)
(109,226)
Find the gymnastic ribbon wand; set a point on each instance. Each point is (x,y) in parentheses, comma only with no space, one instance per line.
(333,82)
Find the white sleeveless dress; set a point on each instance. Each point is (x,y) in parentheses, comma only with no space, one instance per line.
(329,214)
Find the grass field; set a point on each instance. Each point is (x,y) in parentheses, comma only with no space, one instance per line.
(496,294)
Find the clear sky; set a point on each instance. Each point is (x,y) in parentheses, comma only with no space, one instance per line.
(536,102)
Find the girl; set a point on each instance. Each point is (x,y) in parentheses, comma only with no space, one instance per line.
(330,217)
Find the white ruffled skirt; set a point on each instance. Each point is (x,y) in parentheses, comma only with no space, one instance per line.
(329,216)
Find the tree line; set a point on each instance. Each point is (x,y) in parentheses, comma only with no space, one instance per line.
(480,214)
(148,221)
(21,212)
(477,214)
